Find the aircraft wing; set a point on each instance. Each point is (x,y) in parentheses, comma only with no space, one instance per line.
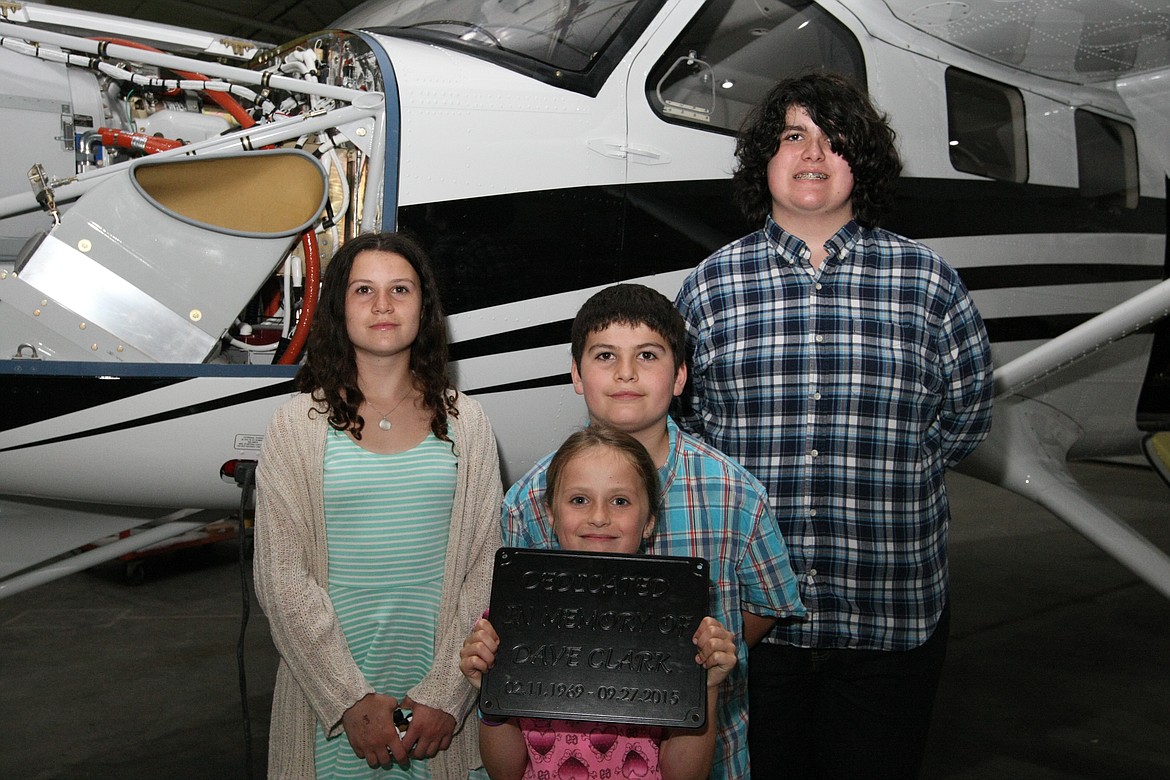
(1027,449)
(38,535)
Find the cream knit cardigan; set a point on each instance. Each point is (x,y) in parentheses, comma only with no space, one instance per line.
(317,679)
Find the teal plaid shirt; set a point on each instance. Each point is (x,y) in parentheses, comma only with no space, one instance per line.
(848,392)
(712,508)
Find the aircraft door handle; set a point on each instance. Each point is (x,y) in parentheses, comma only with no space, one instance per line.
(621,151)
(646,156)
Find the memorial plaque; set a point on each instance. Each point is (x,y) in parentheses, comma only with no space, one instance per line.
(592,636)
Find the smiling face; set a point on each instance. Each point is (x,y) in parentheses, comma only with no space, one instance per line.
(628,377)
(806,178)
(383,302)
(601,503)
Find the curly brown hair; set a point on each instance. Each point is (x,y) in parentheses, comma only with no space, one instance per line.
(330,370)
(856,130)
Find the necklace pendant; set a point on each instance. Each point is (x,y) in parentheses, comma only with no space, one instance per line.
(384,424)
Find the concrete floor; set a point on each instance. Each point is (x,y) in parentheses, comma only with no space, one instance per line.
(1059,664)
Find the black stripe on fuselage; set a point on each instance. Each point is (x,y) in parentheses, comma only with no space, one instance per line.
(528,384)
(503,249)
(507,248)
(39,395)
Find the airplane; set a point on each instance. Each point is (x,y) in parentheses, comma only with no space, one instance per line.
(170,197)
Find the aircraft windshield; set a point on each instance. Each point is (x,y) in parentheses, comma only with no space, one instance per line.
(564,34)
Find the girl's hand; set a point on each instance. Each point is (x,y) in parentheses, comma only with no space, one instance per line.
(429,732)
(369,727)
(716,650)
(479,651)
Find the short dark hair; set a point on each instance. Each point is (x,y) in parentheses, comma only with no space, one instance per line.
(633,305)
(603,436)
(330,370)
(856,130)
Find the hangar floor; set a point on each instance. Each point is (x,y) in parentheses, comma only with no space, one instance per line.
(1058,666)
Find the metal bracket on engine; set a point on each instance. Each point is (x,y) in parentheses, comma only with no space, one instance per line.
(39,180)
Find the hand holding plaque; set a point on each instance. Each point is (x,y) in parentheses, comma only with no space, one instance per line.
(585,636)
(593,641)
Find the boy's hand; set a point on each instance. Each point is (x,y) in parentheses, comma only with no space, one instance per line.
(479,651)
(716,650)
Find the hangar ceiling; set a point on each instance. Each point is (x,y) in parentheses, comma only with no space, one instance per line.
(272,21)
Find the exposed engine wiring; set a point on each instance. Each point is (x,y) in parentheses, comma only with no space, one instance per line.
(226,102)
(136,91)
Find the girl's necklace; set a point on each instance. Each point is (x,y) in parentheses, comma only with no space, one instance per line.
(385,423)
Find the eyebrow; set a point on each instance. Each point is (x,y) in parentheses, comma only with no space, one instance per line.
(406,279)
(643,345)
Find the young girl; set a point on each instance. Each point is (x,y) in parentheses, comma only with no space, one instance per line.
(377,517)
(603,496)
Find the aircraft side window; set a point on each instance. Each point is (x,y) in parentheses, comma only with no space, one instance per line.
(986,128)
(734,51)
(1107,167)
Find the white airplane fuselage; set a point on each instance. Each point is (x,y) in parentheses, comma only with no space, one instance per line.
(530,197)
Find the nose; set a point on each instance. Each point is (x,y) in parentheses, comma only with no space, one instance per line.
(626,369)
(816,147)
(383,303)
(599,517)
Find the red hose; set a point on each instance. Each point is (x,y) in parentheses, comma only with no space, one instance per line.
(273,305)
(309,304)
(147,143)
(222,99)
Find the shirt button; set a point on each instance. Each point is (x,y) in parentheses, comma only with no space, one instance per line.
(816,396)
(812,572)
(813,453)
(812,513)
(818,285)
(819,338)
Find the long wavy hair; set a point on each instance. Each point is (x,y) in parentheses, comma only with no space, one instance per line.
(856,130)
(330,369)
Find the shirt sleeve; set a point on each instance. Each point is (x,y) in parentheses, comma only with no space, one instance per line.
(304,626)
(965,415)
(767,582)
(524,520)
(688,407)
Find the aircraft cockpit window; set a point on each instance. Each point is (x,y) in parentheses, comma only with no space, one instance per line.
(986,131)
(1107,165)
(734,51)
(571,45)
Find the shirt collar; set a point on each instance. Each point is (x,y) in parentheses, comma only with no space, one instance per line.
(792,249)
(666,473)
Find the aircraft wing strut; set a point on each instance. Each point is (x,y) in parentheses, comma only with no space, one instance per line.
(44,531)
(1027,450)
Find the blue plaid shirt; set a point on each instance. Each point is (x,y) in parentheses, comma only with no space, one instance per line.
(712,508)
(848,391)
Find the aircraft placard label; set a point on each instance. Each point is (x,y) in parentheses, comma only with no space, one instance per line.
(249,441)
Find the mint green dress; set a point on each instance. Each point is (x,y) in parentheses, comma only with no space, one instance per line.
(387,519)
